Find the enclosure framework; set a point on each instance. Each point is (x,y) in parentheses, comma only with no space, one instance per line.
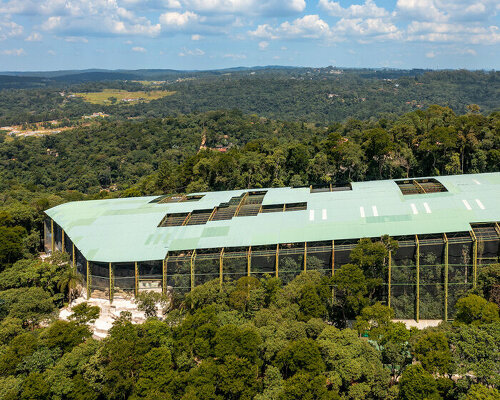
(424,277)
(446,228)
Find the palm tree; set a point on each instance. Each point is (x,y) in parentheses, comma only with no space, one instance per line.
(69,282)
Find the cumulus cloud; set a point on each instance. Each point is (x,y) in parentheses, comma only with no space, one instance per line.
(309,26)
(187,52)
(34,37)
(430,54)
(367,10)
(196,37)
(235,56)
(14,52)
(447,32)
(139,49)
(176,19)
(246,7)
(10,29)
(76,39)
(263,45)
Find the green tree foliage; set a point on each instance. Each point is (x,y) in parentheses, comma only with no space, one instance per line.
(417,384)
(83,313)
(476,310)
(433,351)
(481,392)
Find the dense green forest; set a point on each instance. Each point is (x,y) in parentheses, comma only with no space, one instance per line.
(252,339)
(304,94)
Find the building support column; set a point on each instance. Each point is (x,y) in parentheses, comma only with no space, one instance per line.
(136,280)
(277,259)
(62,242)
(164,275)
(52,239)
(89,280)
(249,260)
(74,257)
(111,282)
(193,256)
(474,259)
(333,267)
(221,265)
(417,310)
(446,267)
(389,275)
(305,256)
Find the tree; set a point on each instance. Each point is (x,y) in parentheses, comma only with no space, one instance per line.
(69,282)
(301,355)
(148,302)
(476,310)
(306,386)
(83,313)
(433,351)
(481,392)
(31,305)
(374,319)
(417,384)
(351,290)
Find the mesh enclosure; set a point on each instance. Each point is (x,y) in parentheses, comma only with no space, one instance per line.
(57,237)
(99,279)
(81,263)
(150,269)
(235,264)
(291,261)
(179,272)
(47,236)
(124,278)
(319,258)
(206,267)
(263,261)
(403,290)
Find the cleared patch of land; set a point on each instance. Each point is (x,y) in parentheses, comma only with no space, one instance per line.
(113,96)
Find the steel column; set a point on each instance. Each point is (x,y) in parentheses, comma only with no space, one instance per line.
(193,255)
(389,273)
(164,275)
(136,281)
(111,282)
(249,260)
(305,256)
(62,241)
(277,259)
(221,265)
(417,311)
(88,280)
(446,265)
(52,239)
(474,260)
(74,258)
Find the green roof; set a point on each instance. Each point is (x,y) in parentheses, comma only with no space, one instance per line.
(124,230)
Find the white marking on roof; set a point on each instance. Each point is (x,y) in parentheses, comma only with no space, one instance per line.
(480,204)
(323,214)
(476,181)
(362,211)
(467,205)
(311,215)
(414,208)
(375,211)
(427,208)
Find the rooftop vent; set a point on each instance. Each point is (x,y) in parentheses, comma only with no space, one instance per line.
(420,186)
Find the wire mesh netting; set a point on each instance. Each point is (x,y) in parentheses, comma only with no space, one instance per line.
(263,261)
(206,266)
(47,235)
(179,272)
(99,279)
(124,277)
(319,257)
(290,261)
(235,264)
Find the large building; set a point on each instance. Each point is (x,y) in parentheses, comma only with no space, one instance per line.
(447,228)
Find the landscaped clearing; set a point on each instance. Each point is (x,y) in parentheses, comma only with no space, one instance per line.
(108,96)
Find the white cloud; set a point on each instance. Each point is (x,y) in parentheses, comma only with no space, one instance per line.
(139,49)
(177,19)
(367,10)
(51,52)
(246,7)
(263,45)
(51,23)
(186,52)
(173,4)
(34,37)
(309,26)
(10,29)
(196,37)
(430,54)
(235,56)
(370,27)
(14,52)
(76,39)
(448,32)
(420,10)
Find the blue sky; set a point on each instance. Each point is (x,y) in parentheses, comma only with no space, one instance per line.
(205,34)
